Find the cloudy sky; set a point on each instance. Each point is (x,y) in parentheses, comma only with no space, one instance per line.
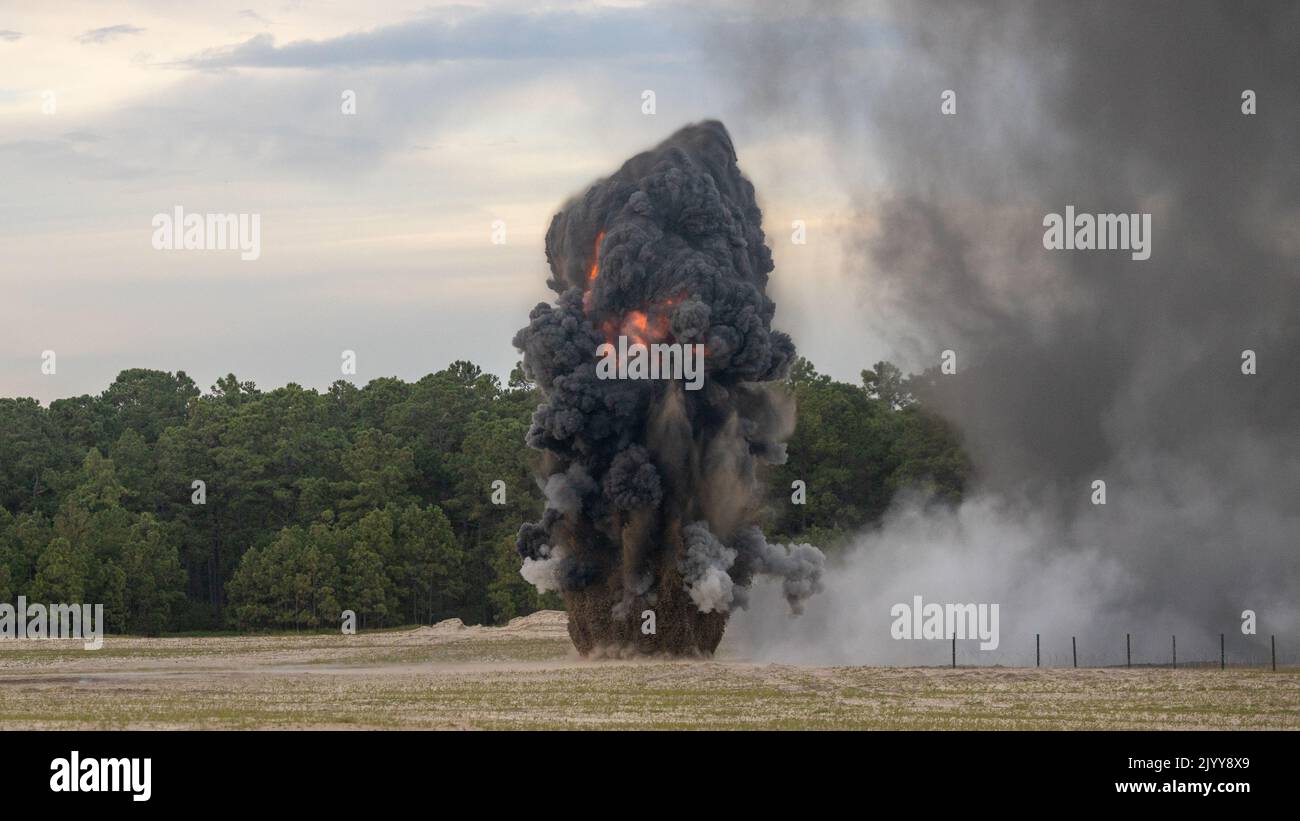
(375,228)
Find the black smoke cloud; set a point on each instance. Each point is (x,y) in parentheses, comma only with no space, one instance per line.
(1073,366)
(652,489)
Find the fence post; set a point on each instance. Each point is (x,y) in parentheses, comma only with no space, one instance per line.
(1175,638)
(1038,650)
(1128,650)
(954,651)
(1223,658)
(1074,649)
(1272,640)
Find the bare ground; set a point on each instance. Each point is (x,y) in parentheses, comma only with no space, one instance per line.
(527,675)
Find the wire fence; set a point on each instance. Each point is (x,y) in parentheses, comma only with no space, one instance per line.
(1129,650)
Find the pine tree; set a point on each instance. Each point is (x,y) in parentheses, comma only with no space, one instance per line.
(61,574)
(364,585)
(154,580)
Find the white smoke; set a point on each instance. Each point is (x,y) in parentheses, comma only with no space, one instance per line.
(1075,368)
(1045,577)
(544,573)
(564,491)
(705,570)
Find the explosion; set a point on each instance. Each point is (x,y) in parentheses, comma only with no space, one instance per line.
(652,491)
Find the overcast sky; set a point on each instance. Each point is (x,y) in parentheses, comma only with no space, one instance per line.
(375,228)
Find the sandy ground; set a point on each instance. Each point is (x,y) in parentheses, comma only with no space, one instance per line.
(526,675)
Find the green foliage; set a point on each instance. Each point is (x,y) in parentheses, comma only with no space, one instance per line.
(153,578)
(376,499)
(289,583)
(32,450)
(509,594)
(61,573)
(854,447)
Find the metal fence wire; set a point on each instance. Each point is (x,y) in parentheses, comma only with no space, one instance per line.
(1128,650)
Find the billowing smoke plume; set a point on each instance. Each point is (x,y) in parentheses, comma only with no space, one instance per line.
(653,489)
(1072,366)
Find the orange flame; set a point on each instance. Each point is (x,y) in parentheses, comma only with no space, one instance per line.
(634,326)
(595,260)
(593,273)
(645,327)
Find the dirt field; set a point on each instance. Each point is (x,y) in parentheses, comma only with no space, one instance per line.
(526,675)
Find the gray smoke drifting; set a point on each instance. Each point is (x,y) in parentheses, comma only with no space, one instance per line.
(706,570)
(1072,366)
(652,490)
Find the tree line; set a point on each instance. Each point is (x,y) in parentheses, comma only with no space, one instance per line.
(246,509)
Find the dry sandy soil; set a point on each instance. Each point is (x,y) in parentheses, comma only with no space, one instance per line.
(527,675)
